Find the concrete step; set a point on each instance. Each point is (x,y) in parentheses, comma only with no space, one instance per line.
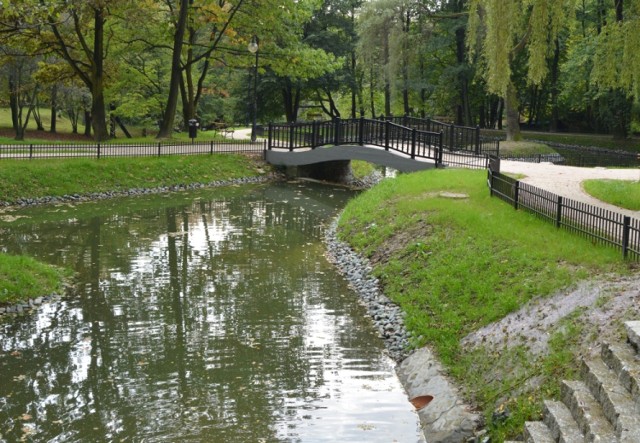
(559,420)
(537,432)
(626,365)
(617,404)
(587,412)
(633,333)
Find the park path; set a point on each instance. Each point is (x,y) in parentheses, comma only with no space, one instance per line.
(566,181)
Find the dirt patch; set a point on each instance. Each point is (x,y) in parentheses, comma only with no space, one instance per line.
(599,307)
(399,241)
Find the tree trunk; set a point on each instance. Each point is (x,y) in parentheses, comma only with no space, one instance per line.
(387,80)
(87,123)
(54,109)
(166,126)
(555,88)
(98,112)
(464,111)
(513,113)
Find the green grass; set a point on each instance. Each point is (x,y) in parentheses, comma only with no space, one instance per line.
(362,169)
(621,193)
(40,178)
(456,265)
(631,144)
(524,148)
(22,278)
(64,132)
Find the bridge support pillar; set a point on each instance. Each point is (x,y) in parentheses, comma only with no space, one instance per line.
(337,171)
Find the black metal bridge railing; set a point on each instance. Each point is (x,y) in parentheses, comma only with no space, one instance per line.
(391,136)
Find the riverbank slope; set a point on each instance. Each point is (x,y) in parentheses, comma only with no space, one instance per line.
(457,261)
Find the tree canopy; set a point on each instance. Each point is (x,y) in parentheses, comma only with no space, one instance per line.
(546,64)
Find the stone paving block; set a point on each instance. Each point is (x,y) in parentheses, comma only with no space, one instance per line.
(446,419)
(617,404)
(633,333)
(587,412)
(626,365)
(537,432)
(559,420)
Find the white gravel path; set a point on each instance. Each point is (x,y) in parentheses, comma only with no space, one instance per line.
(566,181)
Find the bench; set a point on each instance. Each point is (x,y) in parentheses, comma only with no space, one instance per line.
(221,128)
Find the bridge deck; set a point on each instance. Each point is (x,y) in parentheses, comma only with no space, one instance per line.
(372,154)
(369,153)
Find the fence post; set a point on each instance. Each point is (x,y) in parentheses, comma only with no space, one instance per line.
(270,136)
(626,228)
(336,131)
(559,212)
(314,134)
(477,140)
(159,149)
(211,148)
(516,192)
(291,135)
(490,182)
(361,132)
(98,151)
(428,125)
(387,127)
(440,150)
(414,135)
(30,151)
(452,137)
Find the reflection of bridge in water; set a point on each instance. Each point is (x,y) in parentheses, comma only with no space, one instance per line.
(405,143)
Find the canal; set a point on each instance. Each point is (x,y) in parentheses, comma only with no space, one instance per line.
(207,316)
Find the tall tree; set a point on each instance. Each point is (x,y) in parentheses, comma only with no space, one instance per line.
(503,31)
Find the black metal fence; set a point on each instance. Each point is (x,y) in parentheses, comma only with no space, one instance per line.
(383,133)
(455,138)
(598,224)
(98,150)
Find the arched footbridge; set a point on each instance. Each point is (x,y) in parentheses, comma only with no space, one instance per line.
(404,143)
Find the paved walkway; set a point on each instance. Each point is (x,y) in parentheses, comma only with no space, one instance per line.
(566,181)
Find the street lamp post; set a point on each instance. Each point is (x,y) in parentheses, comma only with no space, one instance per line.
(254,46)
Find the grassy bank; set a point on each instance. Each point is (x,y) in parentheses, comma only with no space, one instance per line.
(39,178)
(455,265)
(22,278)
(622,193)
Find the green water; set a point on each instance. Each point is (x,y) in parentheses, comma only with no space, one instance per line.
(210,316)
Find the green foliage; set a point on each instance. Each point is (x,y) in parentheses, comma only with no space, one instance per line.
(621,193)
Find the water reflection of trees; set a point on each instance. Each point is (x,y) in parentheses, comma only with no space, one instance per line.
(190,322)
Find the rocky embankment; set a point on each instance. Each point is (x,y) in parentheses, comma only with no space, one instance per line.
(78,198)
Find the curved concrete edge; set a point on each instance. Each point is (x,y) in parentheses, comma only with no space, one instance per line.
(446,419)
(370,154)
